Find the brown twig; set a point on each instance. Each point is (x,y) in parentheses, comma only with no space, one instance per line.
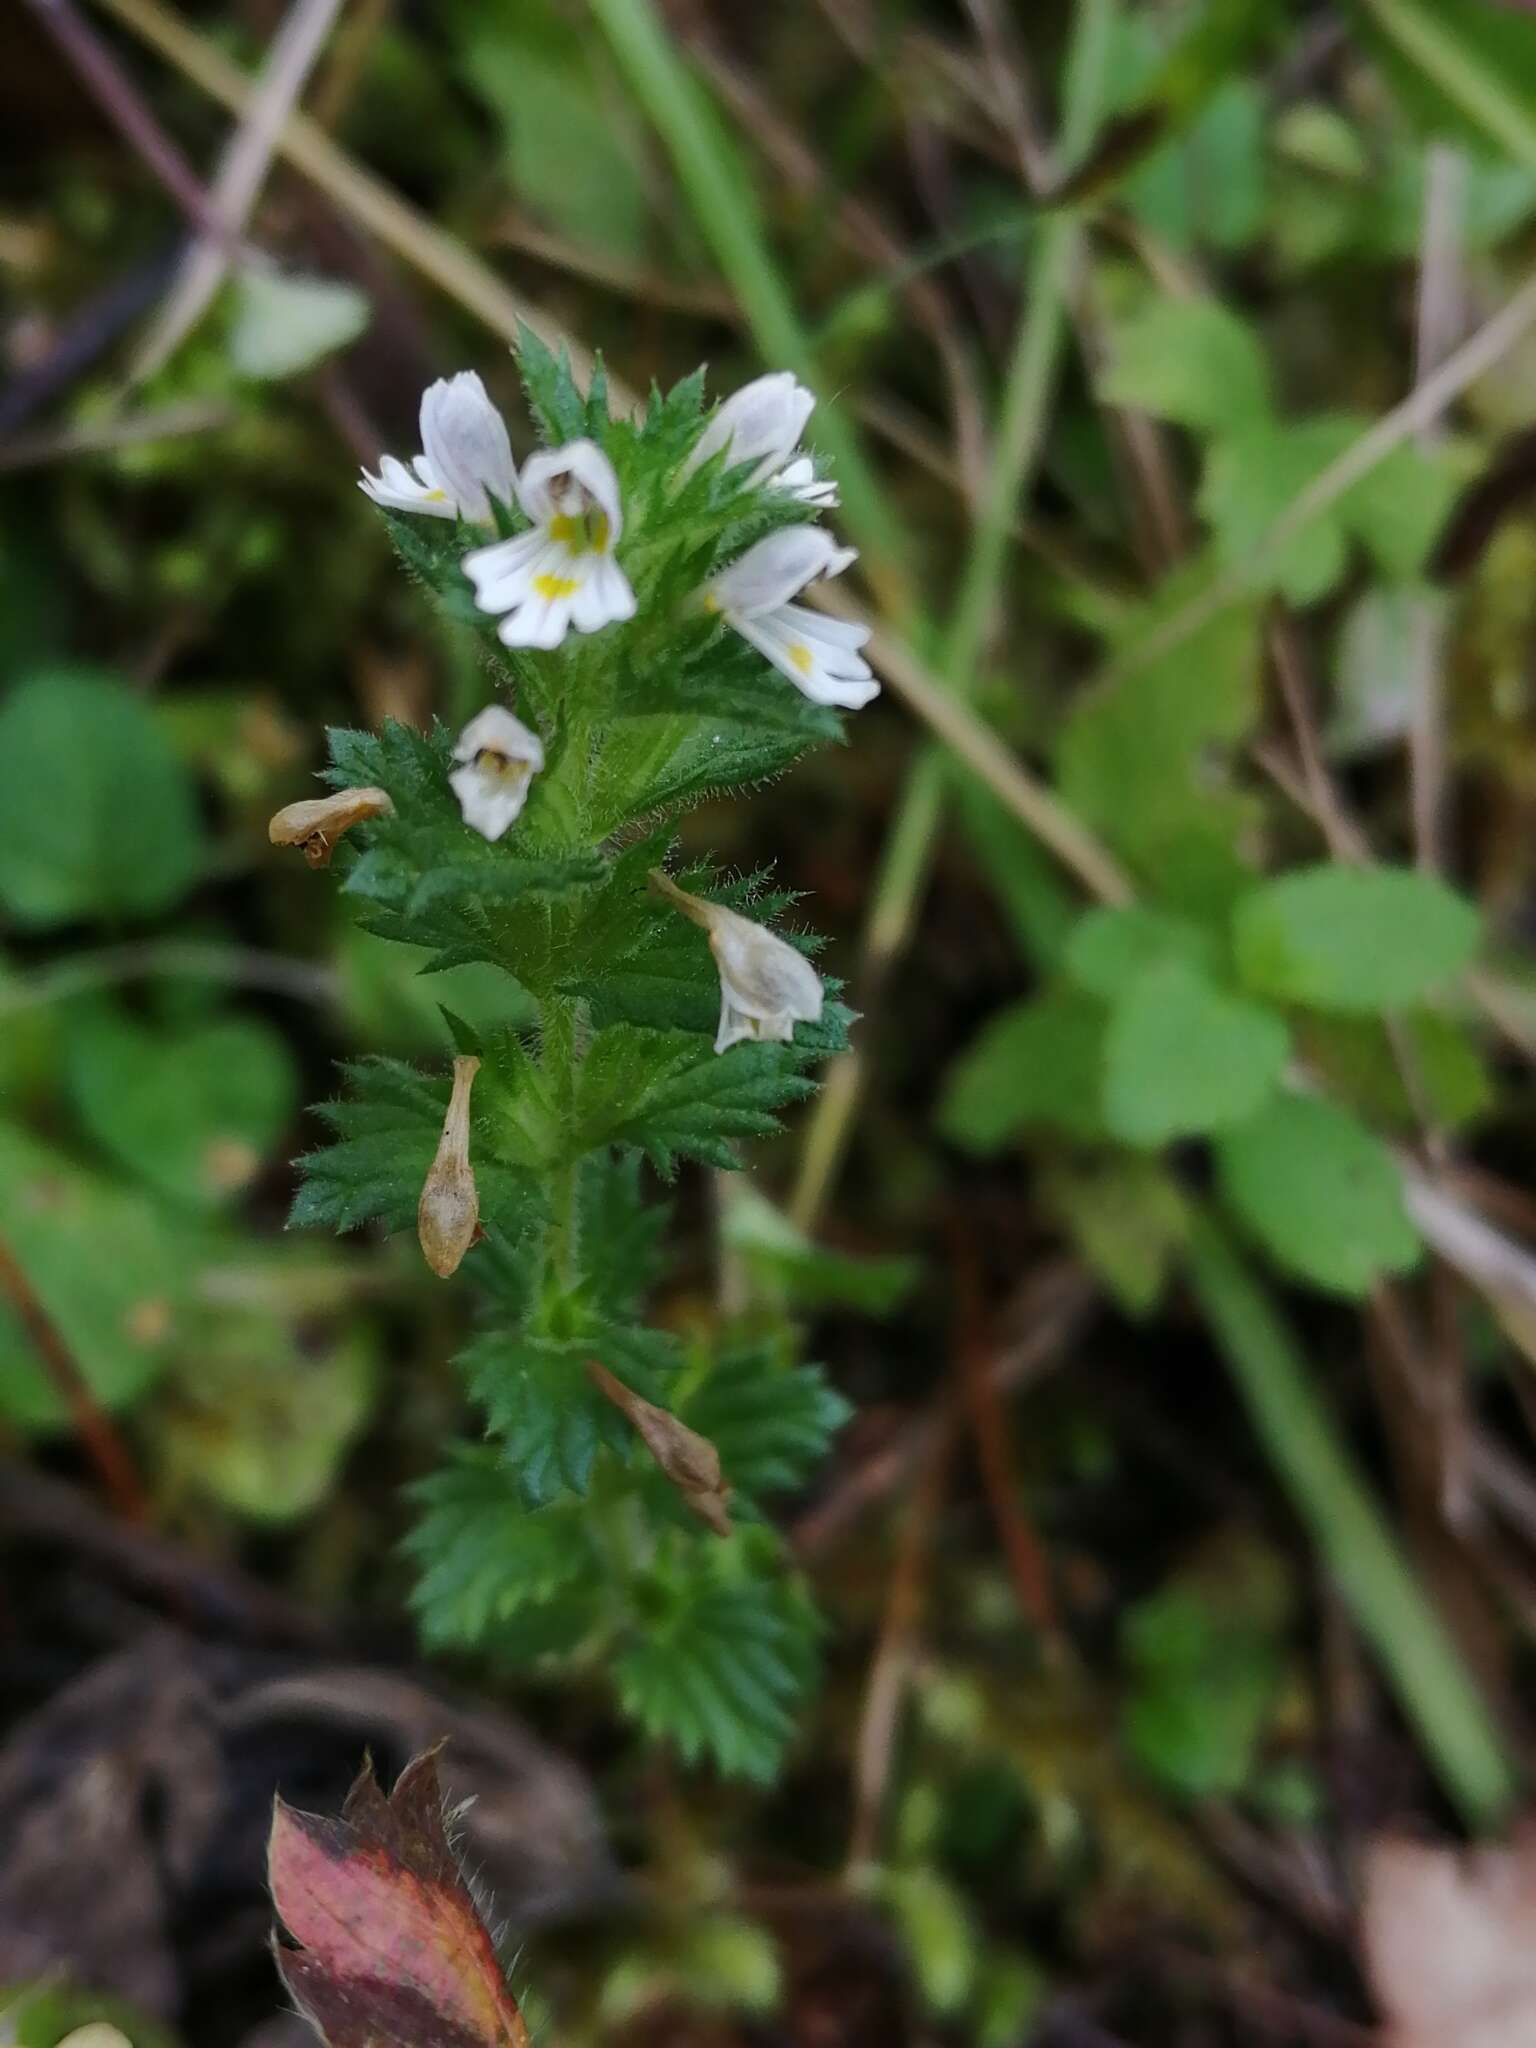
(891,1668)
(124,105)
(1053,1308)
(105,1448)
(989,1427)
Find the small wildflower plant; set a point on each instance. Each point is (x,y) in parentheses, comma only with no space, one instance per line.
(635,582)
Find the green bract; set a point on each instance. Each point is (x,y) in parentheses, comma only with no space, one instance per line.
(526,844)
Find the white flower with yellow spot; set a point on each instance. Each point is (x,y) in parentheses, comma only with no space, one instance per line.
(466,458)
(766,987)
(819,655)
(762,424)
(562,574)
(496,759)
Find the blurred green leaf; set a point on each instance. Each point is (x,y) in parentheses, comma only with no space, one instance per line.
(97,816)
(1251,476)
(106,1267)
(1127,1218)
(936,1932)
(809,1275)
(1182,1057)
(1040,1063)
(194,1112)
(1110,949)
(1192,361)
(1140,759)
(260,1420)
(1464,72)
(1447,1079)
(1322,1195)
(285,323)
(1352,938)
(574,153)
(1206,1660)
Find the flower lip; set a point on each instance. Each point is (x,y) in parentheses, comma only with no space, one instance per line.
(571,483)
(497,758)
(777,569)
(464,440)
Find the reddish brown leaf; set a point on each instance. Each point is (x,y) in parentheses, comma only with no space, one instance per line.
(392,1950)
(1450,1941)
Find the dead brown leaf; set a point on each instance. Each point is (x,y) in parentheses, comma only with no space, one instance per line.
(392,1945)
(1450,1942)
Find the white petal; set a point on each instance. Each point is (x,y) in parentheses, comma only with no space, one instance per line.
(497,758)
(733,1025)
(501,572)
(799,478)
(490,803)
(569,482)
(495,730)
(761,423)
(762,974)
(816,654)
(777,569)
(465,439)
(401,491)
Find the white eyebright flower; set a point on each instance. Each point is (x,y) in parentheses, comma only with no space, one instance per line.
(497,758)
(466,457)
(562,574)
(766,987)
(819,655)
(762,424)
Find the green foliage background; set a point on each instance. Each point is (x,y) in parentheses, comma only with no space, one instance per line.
(1194,961)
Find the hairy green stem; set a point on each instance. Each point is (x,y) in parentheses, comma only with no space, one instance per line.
(1419,1658)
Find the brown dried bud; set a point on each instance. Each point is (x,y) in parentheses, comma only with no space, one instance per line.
(689,1460)
(448,1213)
(319,822)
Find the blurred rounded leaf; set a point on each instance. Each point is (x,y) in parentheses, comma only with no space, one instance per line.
(97,816)
(193,1112)
(262,1421)
(1350,938)
(283,324)
(1321,1194)
(1182,1057)
(106,1269)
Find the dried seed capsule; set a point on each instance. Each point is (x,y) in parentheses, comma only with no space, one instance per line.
(318,822)
(689,1460)
(448,1213)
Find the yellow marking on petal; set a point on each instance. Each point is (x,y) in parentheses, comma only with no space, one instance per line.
(567,529)
(557,586)
(597,528)
(801,656)
(437,497)
(711,602)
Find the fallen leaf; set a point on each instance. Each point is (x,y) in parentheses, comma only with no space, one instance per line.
(392,1947)
(1450,1942)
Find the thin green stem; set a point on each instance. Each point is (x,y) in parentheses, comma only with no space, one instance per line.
(1390,1606)
(727,213)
